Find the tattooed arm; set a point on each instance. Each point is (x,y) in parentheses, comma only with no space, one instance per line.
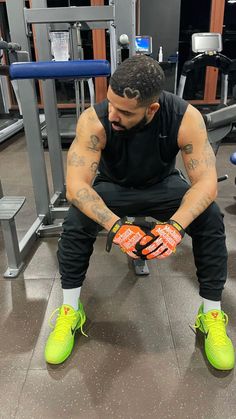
(82,163)
(199,161)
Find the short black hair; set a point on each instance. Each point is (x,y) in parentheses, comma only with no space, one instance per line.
(139,77)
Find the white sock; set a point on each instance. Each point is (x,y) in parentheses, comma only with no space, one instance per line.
(71,297)
(209,305)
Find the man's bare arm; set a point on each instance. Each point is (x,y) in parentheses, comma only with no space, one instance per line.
(199,161)
(82,163)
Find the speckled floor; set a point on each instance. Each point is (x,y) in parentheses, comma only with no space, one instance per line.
(141,359)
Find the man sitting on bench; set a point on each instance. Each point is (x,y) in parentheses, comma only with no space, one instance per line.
(133,138)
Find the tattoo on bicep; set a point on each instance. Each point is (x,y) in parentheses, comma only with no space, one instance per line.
(192,164)
(75,160)
(94,141)
(188,149)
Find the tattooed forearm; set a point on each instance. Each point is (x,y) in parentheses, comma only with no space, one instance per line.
(101,214)
(75,160)
(93,145)
(85,197)
(197,208)
(88,201)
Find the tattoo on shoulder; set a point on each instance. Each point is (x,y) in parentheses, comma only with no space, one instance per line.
(94,141)
(187,149)
(75,160)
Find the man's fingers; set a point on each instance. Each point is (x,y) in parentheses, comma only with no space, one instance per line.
(162,255)
(145,240)
(154,246)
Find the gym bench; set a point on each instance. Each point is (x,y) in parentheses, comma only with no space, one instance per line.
(9,207)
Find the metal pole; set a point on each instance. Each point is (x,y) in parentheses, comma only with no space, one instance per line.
(11,244)
(34,146)
(125,21)
(76,54)
(224,88)
(50,107)
(28,98)
(16,20)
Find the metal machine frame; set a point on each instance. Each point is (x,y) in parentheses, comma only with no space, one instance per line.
(119,18)
(8,125)
(208,57)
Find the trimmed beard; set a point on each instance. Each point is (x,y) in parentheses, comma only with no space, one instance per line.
(138,127)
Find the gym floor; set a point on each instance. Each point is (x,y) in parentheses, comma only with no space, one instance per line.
(141,359)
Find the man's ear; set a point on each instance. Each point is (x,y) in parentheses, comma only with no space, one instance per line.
(153,108)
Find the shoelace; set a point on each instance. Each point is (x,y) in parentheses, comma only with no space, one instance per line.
(62,324)
(217,328)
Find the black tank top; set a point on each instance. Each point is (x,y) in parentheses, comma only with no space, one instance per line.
(145,157)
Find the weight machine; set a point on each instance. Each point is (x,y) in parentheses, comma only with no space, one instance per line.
(8,125)
(118,18)
(208,46)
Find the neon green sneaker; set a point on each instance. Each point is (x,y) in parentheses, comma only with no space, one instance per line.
(218,346)
(61,340)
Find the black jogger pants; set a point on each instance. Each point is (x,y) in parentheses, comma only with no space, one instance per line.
(159,201)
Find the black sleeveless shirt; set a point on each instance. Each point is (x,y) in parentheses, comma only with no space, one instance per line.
(143,158)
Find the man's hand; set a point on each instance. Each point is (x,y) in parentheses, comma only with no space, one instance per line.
(127,234)
(161,241)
